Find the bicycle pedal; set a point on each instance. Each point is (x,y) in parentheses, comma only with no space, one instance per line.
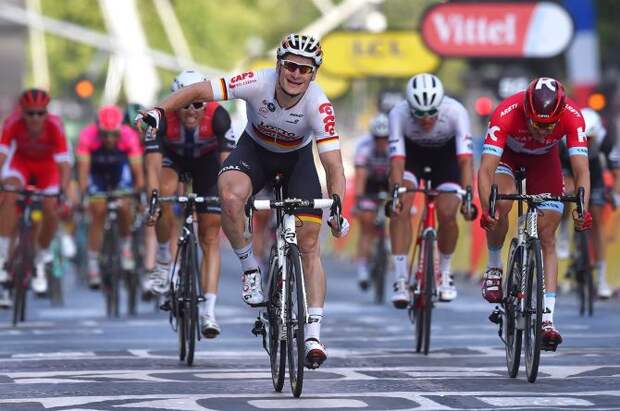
(165,306)
(549,347)
(259,328)
(259,305)
(496,316)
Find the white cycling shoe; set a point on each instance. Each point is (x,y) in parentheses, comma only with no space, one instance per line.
(5,298)
(39,283)
(4,275)
(400,298)
(127,261)
(604,292)
(209,327)
(447,290)
(315,353)
(159,278)
(252,292)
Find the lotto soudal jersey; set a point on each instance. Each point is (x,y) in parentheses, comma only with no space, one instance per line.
(278,129)
(509,127)
(452,123)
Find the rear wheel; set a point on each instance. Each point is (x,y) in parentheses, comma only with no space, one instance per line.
(277,347)
(512,335)
(378,271)
(533,309)
(296,316)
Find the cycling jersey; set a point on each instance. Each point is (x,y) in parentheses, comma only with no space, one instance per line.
(376,164)
(278,129)
(35,160)
(214,133)
(452,127)
(509,127)
(51,145)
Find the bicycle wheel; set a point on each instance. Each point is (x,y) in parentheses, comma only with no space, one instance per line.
(277,346)
(131,284)
(428,289)
(513,336)
(295,317)
(19,297)
(179,304)
(533,309)
(378,271)
(585,283)
(110,269)
(191,301)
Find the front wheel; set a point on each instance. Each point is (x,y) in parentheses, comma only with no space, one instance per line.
(424,307)
(295,319)
(533,309)
(277,346)
(378,271)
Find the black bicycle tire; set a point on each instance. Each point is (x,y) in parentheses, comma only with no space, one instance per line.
(582,267)
(533,338)
(110,269)
(277,348)
(22,267)
(180,306)
(131,279)
(512,335)
(19,297)
(192,300)
(295,278)
(429,278)
(419,323)
(379,270)
(589,288)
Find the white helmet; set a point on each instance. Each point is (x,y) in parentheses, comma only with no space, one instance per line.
(379,126)
(594,124)
(185,78)
(301,45)
(424,92)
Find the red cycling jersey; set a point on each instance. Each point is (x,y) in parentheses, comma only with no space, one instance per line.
(509,127)
(51,145)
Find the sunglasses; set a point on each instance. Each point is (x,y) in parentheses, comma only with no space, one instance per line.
(113,134)
(291,66)
(543,126)
(33,113)
(428,113)
(196,105)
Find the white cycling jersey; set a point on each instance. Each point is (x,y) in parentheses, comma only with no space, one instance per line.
(452,122)
(368,157)
(275,128)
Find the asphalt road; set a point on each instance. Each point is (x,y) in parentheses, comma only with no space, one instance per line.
(73,358)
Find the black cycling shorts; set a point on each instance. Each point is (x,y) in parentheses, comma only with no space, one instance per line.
(203,172)
(261,165)
(442,161)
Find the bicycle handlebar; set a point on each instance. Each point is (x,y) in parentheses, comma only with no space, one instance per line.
(536,199)
(293,203)
(27,191)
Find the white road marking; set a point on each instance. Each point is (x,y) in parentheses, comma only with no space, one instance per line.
(295,404)
(536,401)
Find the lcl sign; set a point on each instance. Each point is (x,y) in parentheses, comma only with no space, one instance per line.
(521,29)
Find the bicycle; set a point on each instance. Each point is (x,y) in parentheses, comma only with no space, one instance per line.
(423,282)
(21,260)
(184,293)
(379,261)
(522,307)
(110,258)
(282,325)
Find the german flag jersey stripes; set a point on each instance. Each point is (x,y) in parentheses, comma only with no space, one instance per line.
(275,128)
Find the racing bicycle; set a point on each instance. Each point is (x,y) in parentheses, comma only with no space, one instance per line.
(282,324)
(524,286)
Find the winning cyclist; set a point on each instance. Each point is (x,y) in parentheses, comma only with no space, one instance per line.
(600,144)
(524,131)
(286,110)
(109,158)
(428,129)
(40,158)
(371,177)
(194,139)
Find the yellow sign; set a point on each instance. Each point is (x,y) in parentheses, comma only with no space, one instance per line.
(389,54)
(332,86)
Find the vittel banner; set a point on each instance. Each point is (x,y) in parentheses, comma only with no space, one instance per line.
(522,29)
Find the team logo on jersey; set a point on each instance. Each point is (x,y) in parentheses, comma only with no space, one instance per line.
(491,132)
(329,119)
(508,109)
(242,80)
(269,105)
(581,135)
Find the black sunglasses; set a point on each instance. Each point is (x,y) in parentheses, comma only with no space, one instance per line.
(543,126)
(33,113)
(425,113)
(291,66)
(113,134)
(197,105)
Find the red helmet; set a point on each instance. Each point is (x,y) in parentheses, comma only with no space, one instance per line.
(110,118)
(545,99)
(34,98)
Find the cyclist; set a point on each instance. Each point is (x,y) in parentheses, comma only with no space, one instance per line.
(285,110)
(40,158)
(428,129)
(524,131)
(371,177)
(109,158)
(193,140)
(600,144)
